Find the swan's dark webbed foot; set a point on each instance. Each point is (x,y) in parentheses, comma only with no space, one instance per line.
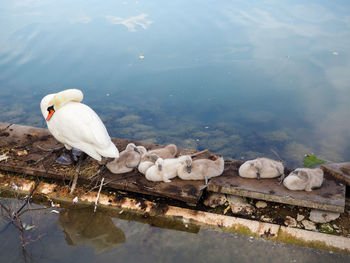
(71,157)
(281,178)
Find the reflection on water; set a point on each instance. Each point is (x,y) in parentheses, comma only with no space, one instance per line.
(82,227)
(238,78)
(79,235)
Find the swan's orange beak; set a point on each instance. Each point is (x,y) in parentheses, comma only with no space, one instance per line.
(51,112)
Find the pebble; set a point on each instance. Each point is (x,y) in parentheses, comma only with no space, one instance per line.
(266,219)
(300,217)
(308,225)
(290,222)
(261,204)
(239,205)
(215,199)
(320,216)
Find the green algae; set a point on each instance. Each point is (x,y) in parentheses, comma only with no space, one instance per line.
(290,239)
(311,161)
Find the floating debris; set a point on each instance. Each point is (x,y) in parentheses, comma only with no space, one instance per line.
(28,227)
(335,53)
(141,57)
(75,200)
(55,211)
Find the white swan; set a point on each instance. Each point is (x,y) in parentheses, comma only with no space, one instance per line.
(261,168)
(127,161)
(76,125)
(165,169)
(304,179)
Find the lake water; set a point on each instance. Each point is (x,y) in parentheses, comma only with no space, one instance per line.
(243,78)
(240,78)
(79,235)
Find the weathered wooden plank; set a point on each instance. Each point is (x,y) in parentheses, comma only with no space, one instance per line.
(26,145)
(331,196)
(340,171)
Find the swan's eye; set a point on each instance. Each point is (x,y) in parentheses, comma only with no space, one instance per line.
(50,108)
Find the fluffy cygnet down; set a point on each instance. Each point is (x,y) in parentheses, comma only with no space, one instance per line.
(165,169)
(127,161)
(166,152)
(147,160)
(201,169)
(261,168)
(304,179)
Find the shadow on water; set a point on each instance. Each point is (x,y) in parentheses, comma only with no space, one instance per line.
(83,227)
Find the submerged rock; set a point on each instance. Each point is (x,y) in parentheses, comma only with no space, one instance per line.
(239,205)
(295,152)
(215,199)
(320,216)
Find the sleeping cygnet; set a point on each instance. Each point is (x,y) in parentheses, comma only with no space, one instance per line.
(147,160)
(201,169)
(127,161)
(304,179)
(166,152)
(165,169)
(261,168)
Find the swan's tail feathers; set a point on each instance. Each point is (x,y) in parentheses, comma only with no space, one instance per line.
(111,151)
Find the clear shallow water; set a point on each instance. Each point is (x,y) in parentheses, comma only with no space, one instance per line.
(78,235)
(240,78)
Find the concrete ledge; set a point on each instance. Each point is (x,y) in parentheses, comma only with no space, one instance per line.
(227,223)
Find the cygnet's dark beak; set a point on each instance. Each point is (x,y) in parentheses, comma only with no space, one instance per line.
(188,169)
(258,176)
(136,150)
(160,167)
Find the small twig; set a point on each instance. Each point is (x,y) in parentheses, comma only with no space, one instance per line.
(276,154)
(98,194)
(74,183)
(75,178)
(199,153)
(49,150)
(27,199)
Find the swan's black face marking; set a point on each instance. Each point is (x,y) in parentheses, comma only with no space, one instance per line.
(51,111)
(136,150)
(188,168)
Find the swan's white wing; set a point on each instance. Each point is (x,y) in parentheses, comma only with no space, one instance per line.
(80,127)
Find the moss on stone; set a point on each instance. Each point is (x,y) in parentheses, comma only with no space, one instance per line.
(290,239)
